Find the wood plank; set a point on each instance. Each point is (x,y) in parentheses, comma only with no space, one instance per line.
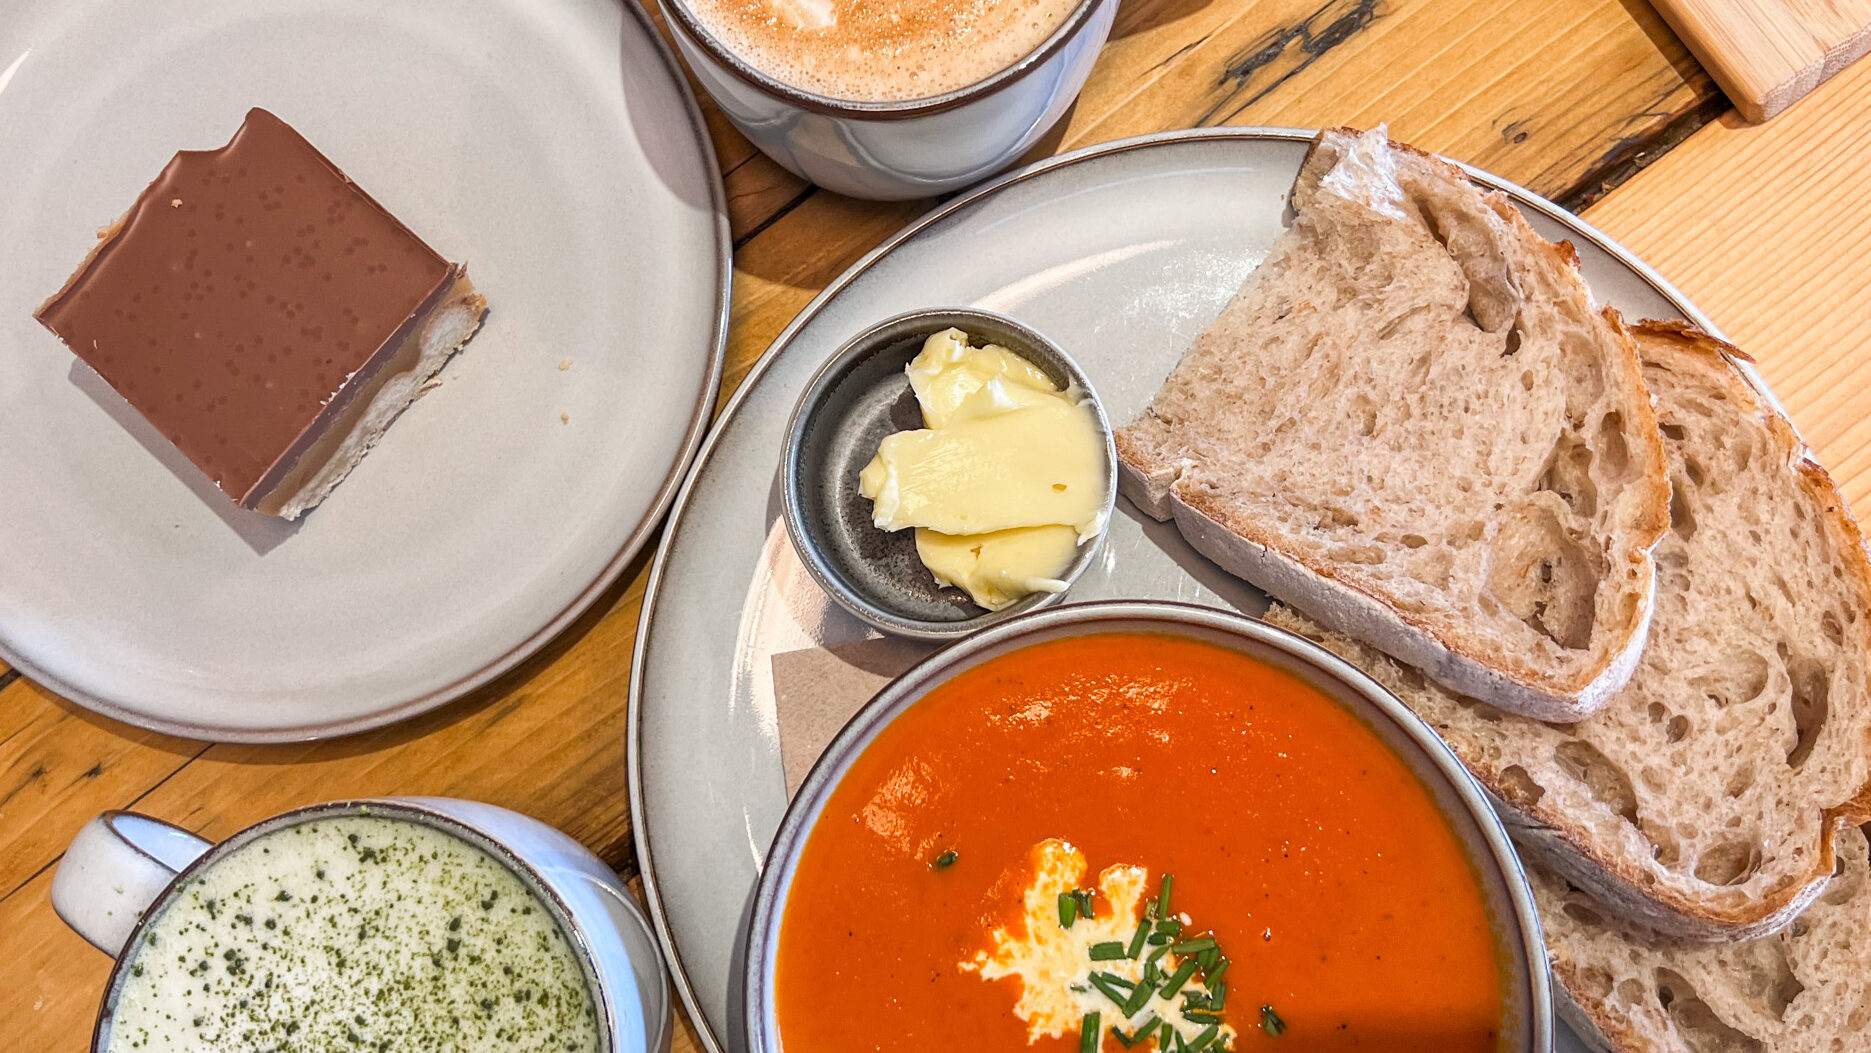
(1765,228)
(53,978)
(1766,54)
(1548,94)
(59,766)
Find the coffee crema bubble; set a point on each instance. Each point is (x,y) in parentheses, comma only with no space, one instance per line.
(356,933)
(864,51)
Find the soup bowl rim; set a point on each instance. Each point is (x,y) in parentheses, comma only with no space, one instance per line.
(1519,931)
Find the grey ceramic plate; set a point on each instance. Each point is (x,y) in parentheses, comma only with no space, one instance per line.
(554,145)
(1121,253)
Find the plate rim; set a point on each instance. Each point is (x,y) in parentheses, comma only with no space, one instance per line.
(633,750)
(694,437)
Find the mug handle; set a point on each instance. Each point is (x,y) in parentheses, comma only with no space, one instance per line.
(116,867)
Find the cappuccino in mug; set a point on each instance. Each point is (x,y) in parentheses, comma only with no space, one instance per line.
(869,51)
(356,933)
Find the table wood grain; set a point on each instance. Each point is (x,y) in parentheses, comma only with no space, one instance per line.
(1581,100)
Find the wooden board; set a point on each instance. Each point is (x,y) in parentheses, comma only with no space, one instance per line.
(1765,228)
(1768,53)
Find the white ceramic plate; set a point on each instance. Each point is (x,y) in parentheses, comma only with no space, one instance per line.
(553,145)
(1121,253)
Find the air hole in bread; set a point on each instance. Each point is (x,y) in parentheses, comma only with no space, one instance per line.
(1611,447)
(1607,782)
(1740,781)
(1811,687)
(1696,1024)
(1595,983)
(1693,469)
(1414,541)
(1677,729)
(1729,863)
(1526,380)
(1682,518)
(1860,1016)
(1664,848)
(1545,577)
(1519,788)
(1829,624)
(1513,343)
(1569,474)
(1656,712)
(1767,976)
(1674,432)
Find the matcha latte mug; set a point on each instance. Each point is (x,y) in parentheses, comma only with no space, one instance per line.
(374,924)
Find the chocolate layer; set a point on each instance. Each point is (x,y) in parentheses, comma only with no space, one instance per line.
(241,295)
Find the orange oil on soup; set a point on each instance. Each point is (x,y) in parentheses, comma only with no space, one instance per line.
(1318,862)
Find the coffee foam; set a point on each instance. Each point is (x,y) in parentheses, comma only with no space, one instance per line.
(871,51)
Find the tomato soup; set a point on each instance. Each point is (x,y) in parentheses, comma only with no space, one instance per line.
(1319,900)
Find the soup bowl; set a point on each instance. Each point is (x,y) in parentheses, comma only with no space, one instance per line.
(1400,757)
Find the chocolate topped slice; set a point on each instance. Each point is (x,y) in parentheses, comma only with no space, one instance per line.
(265,315)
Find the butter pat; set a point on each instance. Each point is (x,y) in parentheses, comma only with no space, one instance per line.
(948,371)
(998,568)
(992,469)
(1003,483)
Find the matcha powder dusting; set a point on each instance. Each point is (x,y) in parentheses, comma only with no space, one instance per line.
(354,934)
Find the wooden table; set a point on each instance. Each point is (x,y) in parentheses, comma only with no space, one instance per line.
(1591,102)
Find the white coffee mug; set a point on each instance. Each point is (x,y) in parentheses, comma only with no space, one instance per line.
(901,149)
(123,868)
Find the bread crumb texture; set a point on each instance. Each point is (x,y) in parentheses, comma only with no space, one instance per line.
(1415,399)
(1806,989)
(1701,799)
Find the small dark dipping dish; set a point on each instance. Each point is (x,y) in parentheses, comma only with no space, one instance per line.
(861,395)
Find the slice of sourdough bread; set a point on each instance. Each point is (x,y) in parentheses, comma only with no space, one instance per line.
(1702,800)
(1412,425)
(1806,989)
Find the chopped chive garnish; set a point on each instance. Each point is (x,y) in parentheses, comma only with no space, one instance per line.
(1083,895)
(1169,882)
(1108,951)
(1139,997)
(1107,985)
(1125,1040)
(1178,978)
(1136,941)
(1197,1017)
(1209,958)
(1202,1040)
(1194,1000)
(1159,939)
(1068,909)
(1144,1031)
(1169,927)
(1150,912)
(1088,1035)
(1270,1022)
(1217,996)
(1200,943)
(1161,950)
(946,859)
(1211,977)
